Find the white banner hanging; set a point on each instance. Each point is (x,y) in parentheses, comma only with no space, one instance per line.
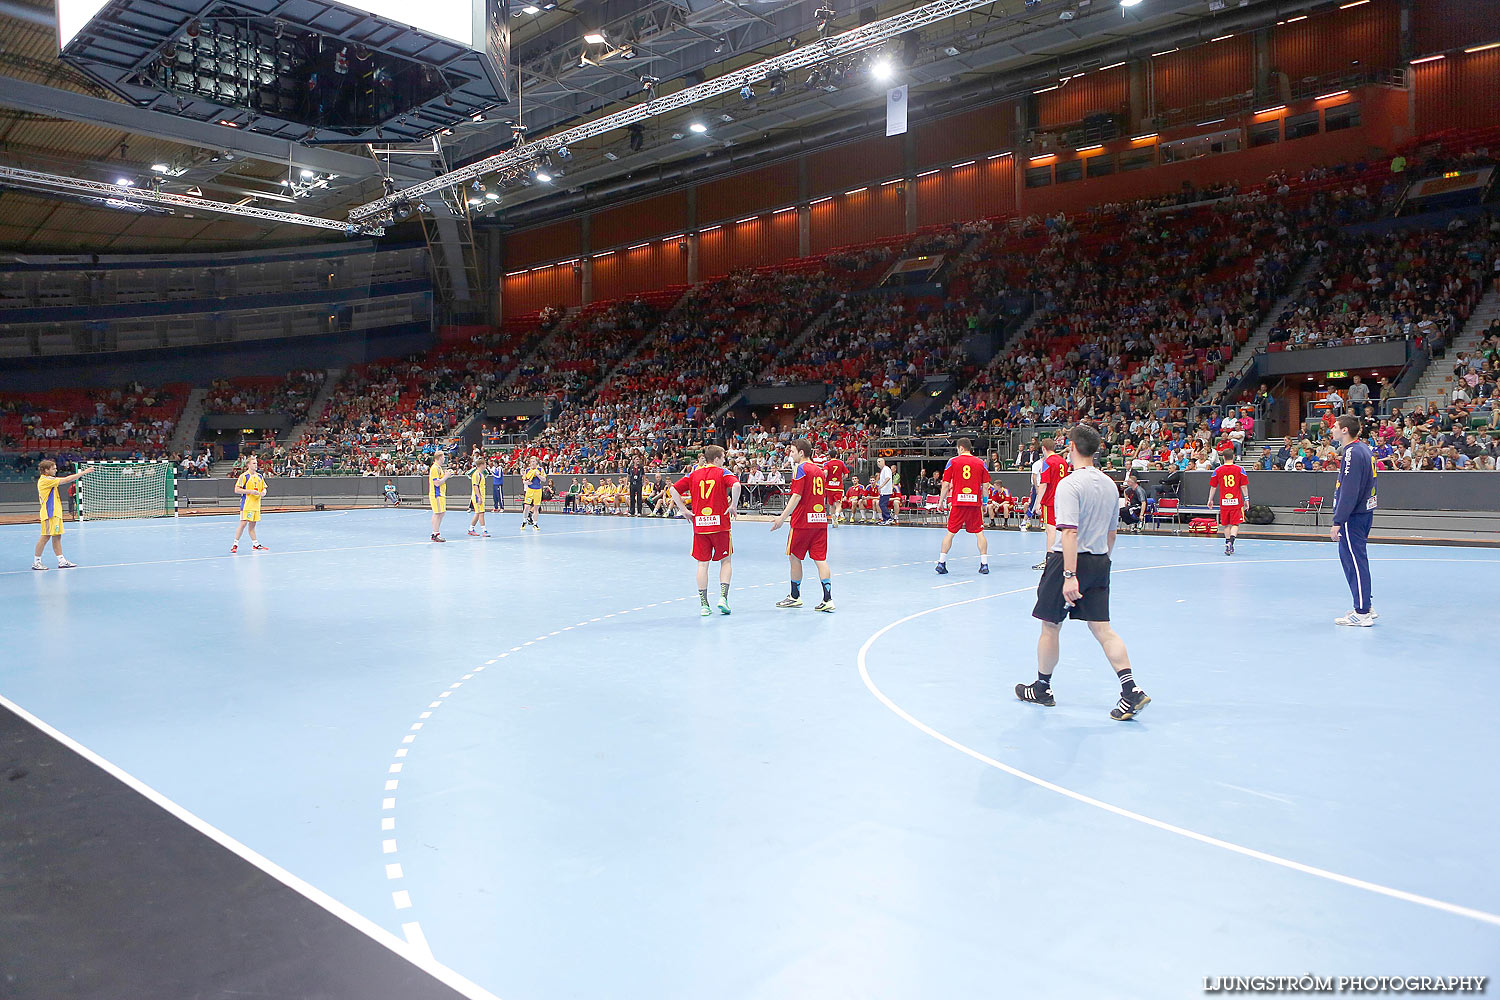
(895,111)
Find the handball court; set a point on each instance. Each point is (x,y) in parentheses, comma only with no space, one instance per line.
(364,765)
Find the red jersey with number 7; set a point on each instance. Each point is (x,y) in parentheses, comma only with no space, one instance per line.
(834,473)
(707,491)
(1230,481)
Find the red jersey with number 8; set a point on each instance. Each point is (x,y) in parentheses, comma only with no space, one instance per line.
(966,477)
(707,492)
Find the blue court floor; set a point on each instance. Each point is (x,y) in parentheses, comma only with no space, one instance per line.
(529,754)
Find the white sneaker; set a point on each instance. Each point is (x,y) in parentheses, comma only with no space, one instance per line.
(65,564)
(1374,614)
(1355,618)
(37,564)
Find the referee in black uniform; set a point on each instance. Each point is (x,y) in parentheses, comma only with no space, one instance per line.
(1075,575)
(637,476)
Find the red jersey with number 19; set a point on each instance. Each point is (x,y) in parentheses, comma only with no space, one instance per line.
(707,492)
(810,482)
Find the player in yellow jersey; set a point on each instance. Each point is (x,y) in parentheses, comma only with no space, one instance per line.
(437,494)
(478,477)
(251,486)
(534,480)
(50,498)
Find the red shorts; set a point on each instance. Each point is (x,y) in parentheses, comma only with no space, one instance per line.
(810,542)
(1049,515)
(1232,515)
(712,546)
(966,517)
(835,497)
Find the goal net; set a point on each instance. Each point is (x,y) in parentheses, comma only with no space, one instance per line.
(128,489)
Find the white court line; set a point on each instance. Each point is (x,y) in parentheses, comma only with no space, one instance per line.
(228,559)
(961,583)
(1202,838)
(364,925)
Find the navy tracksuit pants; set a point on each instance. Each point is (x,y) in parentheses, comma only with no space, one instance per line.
(1353,538)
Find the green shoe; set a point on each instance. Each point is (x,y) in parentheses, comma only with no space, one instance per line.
(724,606)
(704,611)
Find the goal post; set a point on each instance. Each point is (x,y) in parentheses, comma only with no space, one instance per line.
(127,489)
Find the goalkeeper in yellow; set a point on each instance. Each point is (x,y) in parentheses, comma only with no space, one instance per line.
(50,497)
(251,486)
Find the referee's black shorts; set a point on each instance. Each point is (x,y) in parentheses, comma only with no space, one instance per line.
(1093,579)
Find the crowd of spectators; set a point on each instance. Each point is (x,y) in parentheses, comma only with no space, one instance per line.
(94,423)
(291,394)
(1418,284)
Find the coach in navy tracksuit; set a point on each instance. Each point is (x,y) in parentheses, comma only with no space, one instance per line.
(1353,512)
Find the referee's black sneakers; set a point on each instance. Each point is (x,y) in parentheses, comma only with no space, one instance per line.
(1129,706)
(1035,693)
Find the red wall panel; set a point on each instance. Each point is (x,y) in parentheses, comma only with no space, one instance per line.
(632,223)
(1193,77)
(868,215)
(556,285)
(733,197)
(851,165)
(1383,112)
(957,137)
(762,240)
(1105,90)
(533,246)
(974,191)
(1451,24)
(1329,43)
(1462,91)
(626,272)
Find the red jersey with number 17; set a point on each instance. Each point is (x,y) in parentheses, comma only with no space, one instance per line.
(1230,481)
(834,473)
(966,477)
(811,484)
(707,491)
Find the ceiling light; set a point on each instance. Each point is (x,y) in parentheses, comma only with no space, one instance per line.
(543,176)
(1483,48)
(124,182)
(1129,3)
(491,196)
(882,69)
(1427,59)
(719,45)
(531,9)
(698,127)
(160,168)
(307,175)
(594,38)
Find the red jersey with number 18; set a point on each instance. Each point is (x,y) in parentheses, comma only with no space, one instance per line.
(707,492)
(1229,479)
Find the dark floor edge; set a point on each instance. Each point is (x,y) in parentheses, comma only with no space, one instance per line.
(417,957)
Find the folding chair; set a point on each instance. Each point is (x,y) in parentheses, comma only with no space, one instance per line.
(1313,506)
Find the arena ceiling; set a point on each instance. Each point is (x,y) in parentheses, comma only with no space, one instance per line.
(53,119)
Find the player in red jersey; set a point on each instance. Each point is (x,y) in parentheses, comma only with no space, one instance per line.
(807,509)
(1054,468)
(1000,504)
(965,483)
(712,498)
(1232,488)
(837,474)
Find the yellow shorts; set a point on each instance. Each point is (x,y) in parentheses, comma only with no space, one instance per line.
(439,504)
(534,497)
(248,513)
(52,526)
(476,502)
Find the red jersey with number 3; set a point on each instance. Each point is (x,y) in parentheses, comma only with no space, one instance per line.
(966,477)
(1230,481)
(810,482)
(1053,471)
(834,473)
(707,492)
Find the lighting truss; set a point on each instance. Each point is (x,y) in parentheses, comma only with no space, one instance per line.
(810,54)
(133,196)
